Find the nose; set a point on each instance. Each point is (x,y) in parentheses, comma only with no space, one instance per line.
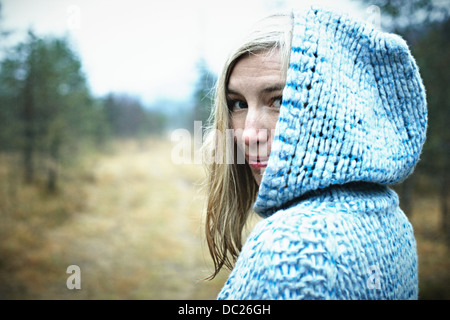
(255,132)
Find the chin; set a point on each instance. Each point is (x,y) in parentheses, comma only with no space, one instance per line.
(258,176)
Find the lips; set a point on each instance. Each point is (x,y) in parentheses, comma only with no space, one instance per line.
(258,165)
(257,162)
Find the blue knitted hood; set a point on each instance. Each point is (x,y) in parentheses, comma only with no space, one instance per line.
(354,109)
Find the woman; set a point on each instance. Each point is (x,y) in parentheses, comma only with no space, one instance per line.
(325,112)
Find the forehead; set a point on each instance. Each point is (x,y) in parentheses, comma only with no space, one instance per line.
(256,70)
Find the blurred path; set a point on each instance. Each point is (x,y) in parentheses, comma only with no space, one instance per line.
(139,235)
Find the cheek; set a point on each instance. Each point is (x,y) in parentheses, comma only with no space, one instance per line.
(272,124)
(237,124)
(272,121)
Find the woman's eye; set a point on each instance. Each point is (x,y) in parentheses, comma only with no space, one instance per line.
(277,102)
(237,105)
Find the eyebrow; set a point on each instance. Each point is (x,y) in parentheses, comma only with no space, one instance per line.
(276,87)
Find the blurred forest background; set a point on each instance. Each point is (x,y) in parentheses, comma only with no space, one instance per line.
(88,180)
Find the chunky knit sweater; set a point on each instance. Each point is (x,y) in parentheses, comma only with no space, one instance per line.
(352,122)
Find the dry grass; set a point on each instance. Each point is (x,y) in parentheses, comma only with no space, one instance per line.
(132,221)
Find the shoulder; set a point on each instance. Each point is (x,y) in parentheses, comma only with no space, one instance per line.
(291,236)
(276,261)
(286,228)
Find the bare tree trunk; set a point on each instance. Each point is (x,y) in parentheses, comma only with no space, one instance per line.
(53,164)
(29,133)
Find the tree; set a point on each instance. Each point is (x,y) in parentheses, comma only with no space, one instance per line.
(433,52)
(203,95)
(127,116)
(410,18)
(47,107)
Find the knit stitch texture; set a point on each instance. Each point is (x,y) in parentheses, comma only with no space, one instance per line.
(353,121)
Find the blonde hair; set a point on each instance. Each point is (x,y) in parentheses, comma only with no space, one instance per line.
(231,187)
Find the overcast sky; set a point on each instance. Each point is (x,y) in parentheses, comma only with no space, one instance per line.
(148,48)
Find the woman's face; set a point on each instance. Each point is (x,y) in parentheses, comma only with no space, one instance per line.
(254,95)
